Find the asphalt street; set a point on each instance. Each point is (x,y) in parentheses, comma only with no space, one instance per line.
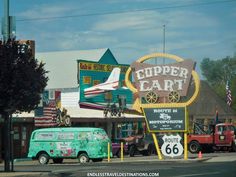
(214,164)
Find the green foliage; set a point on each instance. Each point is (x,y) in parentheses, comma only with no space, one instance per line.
(22,78)
(218,72)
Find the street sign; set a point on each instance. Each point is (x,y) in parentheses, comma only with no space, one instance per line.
(172,146)
(165,119)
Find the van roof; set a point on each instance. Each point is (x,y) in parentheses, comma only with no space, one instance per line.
(68,129)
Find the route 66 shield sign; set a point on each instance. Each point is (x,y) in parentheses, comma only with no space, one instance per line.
(172,146)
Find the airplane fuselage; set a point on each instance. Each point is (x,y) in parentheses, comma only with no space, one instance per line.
(98,89)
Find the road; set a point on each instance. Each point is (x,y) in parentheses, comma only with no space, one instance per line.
(215,164)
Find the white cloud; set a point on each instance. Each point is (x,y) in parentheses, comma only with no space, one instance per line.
(154,19)
(71,40)
(46,10)
(123,21)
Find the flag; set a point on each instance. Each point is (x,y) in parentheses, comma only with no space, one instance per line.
(48,119)
(228,94)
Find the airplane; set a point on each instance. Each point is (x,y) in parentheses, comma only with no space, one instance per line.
(111,83)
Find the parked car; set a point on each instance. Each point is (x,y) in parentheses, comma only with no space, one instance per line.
(140,144)
(116,147)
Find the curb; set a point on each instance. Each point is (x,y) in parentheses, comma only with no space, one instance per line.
(22,159)
(162,161)
(126,160)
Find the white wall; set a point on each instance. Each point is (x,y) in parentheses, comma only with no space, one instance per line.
(70,99)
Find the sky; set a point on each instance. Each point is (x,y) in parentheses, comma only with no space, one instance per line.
(191,29)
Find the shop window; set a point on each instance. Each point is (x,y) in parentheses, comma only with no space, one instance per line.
(122,101)
(96,82)
(16,133)
(51,95)
(86,79)
(24,133)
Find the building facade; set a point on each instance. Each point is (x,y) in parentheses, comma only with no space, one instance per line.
(69,76)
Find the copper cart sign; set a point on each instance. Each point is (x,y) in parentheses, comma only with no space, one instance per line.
(159,81)
(162,95)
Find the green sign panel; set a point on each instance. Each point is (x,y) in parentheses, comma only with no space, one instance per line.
(166,119)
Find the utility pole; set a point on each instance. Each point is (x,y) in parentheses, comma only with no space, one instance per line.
(7,136)
(164,41)
(8,28)
(6,22)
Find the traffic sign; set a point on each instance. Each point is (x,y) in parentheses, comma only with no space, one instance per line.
(172,146)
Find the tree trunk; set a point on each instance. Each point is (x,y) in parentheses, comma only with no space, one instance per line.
(6,139)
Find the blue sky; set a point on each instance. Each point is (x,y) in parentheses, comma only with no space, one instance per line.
(194,29)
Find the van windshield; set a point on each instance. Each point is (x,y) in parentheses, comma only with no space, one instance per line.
(100,135)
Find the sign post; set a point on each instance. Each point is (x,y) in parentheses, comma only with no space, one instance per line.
(163,98)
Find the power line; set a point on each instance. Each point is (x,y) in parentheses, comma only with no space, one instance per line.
(126,11)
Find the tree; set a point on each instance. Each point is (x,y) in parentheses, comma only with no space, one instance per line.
(218,72)
(22,79)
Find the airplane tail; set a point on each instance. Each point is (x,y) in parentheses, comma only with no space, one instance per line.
(114,76)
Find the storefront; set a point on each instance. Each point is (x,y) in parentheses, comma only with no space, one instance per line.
(22,128)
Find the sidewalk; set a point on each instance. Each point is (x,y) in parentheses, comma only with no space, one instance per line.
(21,174)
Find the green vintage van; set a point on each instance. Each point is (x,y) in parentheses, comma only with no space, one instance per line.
(60,143)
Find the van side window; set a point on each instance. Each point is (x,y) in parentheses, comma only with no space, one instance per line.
(44,136)
(65,136)
(100,135)
(84,136)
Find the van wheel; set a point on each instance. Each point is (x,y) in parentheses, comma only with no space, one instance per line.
(43,159)
(57,160)
(83,158)
(194,147)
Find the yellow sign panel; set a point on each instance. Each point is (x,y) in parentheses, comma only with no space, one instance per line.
(100,67)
